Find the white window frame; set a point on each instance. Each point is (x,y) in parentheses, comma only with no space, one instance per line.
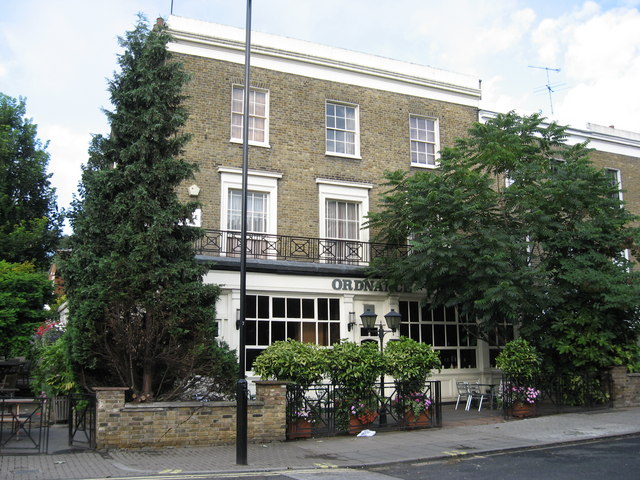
(355,130)
(435,143)
(267,182)
(239,114)
(264,212)
(346,192)
(618,180)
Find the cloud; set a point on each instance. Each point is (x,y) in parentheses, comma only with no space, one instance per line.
(599,52)
(68,151)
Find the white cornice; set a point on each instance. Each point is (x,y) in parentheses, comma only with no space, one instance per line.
(298,57)
(603,139)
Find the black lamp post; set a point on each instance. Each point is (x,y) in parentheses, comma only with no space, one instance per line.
(393,319)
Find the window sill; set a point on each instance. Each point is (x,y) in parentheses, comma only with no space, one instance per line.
(252,144)
(343,155)
(428,167)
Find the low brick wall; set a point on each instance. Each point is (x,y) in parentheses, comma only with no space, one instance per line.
(626,387)
(181,424)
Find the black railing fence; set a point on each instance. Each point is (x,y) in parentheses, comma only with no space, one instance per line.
(82,420)
(295,248)
(24,425)
(557,393)
(328,408)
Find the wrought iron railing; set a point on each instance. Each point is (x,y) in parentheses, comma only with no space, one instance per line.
(327,409)
(24,425)
(297,248)
(82,420)
(559,393)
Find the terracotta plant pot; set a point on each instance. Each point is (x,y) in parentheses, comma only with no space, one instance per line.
(523,410)
(421,421)
(299,429)
(357,424)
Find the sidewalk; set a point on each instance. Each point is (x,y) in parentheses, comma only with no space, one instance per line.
(463,433)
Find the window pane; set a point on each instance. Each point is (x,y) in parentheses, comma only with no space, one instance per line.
(278,331)
(293,330)
(278,307)
(251,330)
(263,307)
(293,308)
(251,356)
(308,308)
(438,335)
(250,306)
(309,332)
(263,333)
(468,358)
(323,310)
(334,333)
(323,334)
(334,309)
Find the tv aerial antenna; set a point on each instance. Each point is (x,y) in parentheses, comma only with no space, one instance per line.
(549,87)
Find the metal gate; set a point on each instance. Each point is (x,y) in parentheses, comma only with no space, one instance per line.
(82,420)
(24,425)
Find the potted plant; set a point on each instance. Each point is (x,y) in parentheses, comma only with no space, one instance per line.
(410,363)
(301,423)
(520,364)
(302,364)
(354,369)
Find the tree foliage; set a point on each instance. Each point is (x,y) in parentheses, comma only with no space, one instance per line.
(140,315)
(29,220)
(23,293)
(546,252)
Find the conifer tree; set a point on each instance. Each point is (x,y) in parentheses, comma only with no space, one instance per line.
(29,220)
(140,315)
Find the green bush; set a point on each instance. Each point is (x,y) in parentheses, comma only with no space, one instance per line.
(410,363)
(355,368)
(519,359)
(52,372)
(298,362)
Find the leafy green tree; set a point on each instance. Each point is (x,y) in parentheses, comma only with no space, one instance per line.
(23,293)
(518,226)
(140,315)
(29,220)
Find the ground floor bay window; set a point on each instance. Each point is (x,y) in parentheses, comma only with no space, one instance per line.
(452,335)
(273,318)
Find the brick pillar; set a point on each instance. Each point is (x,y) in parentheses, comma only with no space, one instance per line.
(109,403)
(626,387)
(273,423)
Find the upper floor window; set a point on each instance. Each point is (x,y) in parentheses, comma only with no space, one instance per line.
(343,220)
(258,115)
(257,211)
(424,141)
(614,177)
(342,129)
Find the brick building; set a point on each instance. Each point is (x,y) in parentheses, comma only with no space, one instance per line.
(325,123)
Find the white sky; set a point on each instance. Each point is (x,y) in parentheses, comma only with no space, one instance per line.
(60,53)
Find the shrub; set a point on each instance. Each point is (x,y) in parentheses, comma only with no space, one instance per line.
(301,363)
(410,363)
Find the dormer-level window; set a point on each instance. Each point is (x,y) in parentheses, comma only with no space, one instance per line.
(425,141)
(258,116)
(342,129)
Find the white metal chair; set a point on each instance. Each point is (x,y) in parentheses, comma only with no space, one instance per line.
(463,391)
(475,392)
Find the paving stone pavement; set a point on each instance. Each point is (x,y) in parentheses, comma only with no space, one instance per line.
(465,433)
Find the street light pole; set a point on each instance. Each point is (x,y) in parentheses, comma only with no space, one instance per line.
(393,319)
(242,389)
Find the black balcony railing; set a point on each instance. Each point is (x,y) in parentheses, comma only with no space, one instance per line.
(222,243)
